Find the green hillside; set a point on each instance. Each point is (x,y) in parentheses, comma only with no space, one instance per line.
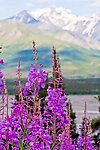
(16,40)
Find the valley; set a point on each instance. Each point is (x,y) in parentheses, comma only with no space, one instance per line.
(79,54)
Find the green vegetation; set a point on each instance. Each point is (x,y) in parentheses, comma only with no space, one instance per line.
(73,86)
(83,86)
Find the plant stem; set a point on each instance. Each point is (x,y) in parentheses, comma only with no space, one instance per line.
(85,125)
(58,69)
(55,128)
(3,105)
(36,58)
(54,69)
(19,80)
(69,126)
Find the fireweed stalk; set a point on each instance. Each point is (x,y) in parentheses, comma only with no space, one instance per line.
(84,142)
(36,78)
(1,74)
(55,110)
(27,128)
(1,91)
(19,81)
(55,113)
(3,104)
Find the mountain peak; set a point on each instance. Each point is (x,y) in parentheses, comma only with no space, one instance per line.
(22,13)
(24,17)
(96,16)
(60,17)
(50,11)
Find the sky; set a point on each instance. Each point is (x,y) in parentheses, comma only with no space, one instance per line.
(84,8)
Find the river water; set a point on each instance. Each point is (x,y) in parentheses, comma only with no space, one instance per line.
(78,105)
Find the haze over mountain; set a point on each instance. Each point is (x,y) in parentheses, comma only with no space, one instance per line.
(76,38)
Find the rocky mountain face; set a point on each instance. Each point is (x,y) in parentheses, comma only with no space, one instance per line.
(63,19)
(66,20)
(24,17)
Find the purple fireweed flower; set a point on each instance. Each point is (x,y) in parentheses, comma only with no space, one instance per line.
(1,84)
(1,61)
(36,135)
(64,143)
(35,80)
(81,143)
(0,91)
(36,131)
(1,75)
(56,109)
(56,102)
(25,91)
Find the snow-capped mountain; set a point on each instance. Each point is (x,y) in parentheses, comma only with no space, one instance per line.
(24,17)
(69,33)
(67,20)
(63,19)
(92,28)
(60,17)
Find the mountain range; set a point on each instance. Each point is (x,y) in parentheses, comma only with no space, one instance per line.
(65,19)
(76,38)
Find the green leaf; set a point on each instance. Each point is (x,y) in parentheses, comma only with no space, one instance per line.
(20,143)
(30,121)
(28,131)
(54,146)
(22,127)
(26,147)
(13,144)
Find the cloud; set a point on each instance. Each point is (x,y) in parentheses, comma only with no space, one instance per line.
(96,3)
